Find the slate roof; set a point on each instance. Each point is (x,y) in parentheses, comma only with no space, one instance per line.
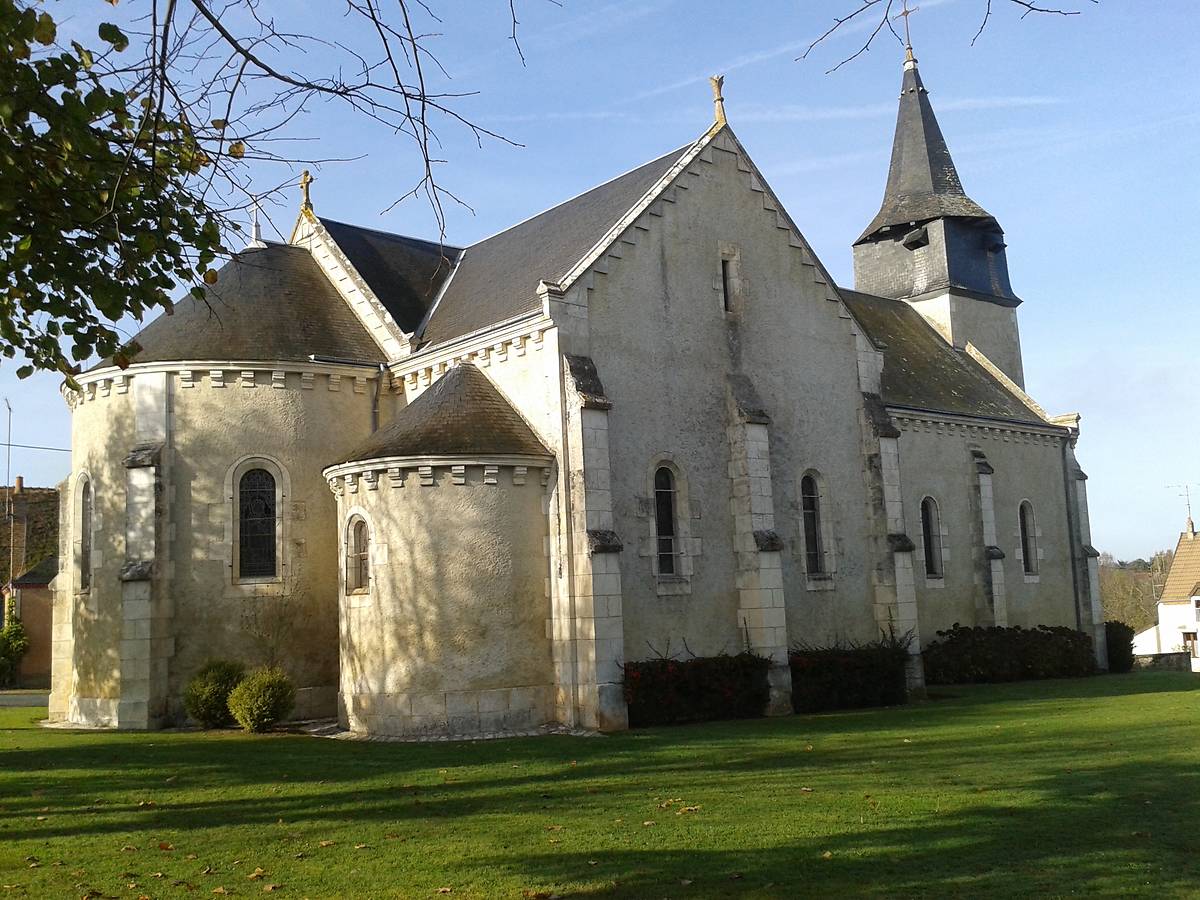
(1184,571)
(922,371)
(39,575)
(404,273)
(272,303)
(461,414)
(922,181)
(497,278)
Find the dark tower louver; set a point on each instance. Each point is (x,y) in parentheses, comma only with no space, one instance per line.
(926,209)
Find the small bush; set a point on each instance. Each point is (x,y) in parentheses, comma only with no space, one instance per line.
(700,689)
(265,697)
(849,675)
(206,697)
(1119,638)
(13,644)
(976,655)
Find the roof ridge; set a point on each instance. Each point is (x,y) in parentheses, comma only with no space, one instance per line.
(442,245)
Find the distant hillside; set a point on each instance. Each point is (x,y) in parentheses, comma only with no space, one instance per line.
(35,511)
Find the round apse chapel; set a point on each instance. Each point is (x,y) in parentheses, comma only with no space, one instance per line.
(442,595)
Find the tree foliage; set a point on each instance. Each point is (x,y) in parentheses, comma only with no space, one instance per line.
(98,218)
(124,157)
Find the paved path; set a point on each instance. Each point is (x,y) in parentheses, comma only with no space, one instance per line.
(24,698)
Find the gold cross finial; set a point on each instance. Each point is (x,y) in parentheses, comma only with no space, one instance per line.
(904,14)
(305,181)
(717,82)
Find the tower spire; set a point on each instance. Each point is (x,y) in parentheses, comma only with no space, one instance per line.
(922,181)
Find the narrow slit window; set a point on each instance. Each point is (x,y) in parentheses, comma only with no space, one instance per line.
(931,533)
(726,287)
(86,516)
(810,505)
(1029,551)
(257,524)
(358,558)
(664,519)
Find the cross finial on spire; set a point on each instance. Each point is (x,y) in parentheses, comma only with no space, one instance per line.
(256,239)
(904,14)
(717,82)
(305,181)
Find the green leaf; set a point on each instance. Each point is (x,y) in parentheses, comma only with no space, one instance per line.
(113,35)
(45,31)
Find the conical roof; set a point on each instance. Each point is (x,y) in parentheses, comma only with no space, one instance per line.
(270,303)
(462,414)
(922,181)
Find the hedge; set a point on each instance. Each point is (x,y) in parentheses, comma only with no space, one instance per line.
(849,676)
(262,698)
(964,655)
(1119,638)
(206,697)
(700,689)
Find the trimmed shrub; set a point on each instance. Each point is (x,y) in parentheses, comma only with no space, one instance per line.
(964,655)
(13,644)
(206,697)
(700,689)
(849,675)
(1119,638)
(265,697)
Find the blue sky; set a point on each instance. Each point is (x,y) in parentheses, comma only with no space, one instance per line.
(1080,134)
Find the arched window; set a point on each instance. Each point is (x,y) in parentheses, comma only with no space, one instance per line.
(86,517)
(931,533)
(358,557)
(665,519)
(810,507)
(257,525)
(1029,551)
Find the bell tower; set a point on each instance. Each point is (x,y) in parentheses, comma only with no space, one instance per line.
(933,246)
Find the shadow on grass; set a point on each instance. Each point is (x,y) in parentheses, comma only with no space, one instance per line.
(1055,820)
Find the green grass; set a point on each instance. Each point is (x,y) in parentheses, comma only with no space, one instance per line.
(1088,786)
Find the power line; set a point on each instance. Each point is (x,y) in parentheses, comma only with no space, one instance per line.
(35,447)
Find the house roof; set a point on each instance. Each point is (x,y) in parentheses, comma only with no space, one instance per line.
(461,414)
(922,183)
(269,303)
(922,371)
(404,273)
(496,279)
(38,575)
(1184,573)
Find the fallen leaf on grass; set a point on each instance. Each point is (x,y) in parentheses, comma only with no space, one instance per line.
(827,855)
(687,809)
(362,846)
(806,790)
(808,747)
(128,848)
(207,870)
(593,862)
(685,881)
(554,828)
(647,824)
(268,888)
(256,874)
(325,843)
(735,876)
(445,890)
(219,890)
(191,856)
(164,845)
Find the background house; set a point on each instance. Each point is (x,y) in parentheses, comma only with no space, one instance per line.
(1179,605)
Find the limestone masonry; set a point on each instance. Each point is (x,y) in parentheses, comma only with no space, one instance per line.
(452,490)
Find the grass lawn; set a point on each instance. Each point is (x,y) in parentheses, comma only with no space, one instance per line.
(1088,786)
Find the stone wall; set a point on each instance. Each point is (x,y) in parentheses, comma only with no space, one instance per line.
(451,635)
(1164,662)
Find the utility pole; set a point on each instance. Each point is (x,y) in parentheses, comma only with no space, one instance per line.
(8,506)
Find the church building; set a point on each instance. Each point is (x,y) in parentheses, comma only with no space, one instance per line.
(452,490)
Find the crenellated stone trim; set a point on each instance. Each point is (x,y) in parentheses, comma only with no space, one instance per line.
(909,420)
(414,374)
(347,478)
